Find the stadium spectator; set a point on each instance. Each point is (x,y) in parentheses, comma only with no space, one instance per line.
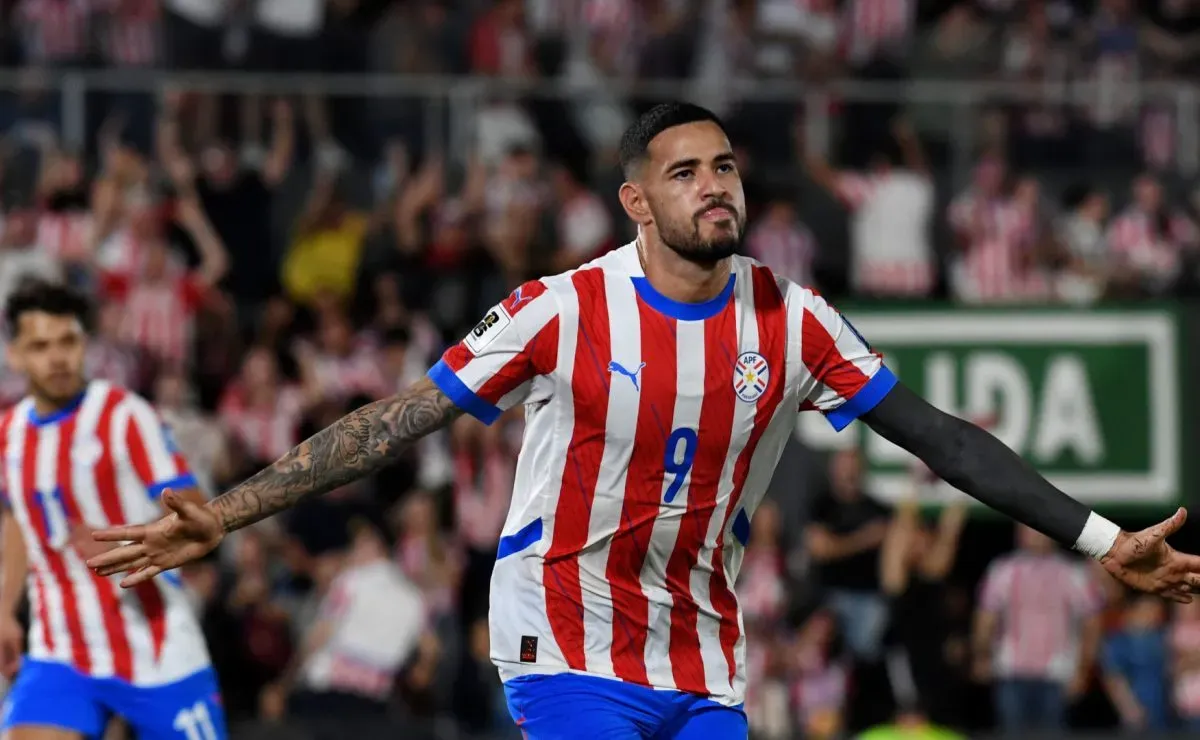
(915,562)
(1036,633)
(780,241)
(1135,667)
(844,539)
(1184,665)
(324,255)
(371,630)
(584,229)
(890,205)
(1148,241)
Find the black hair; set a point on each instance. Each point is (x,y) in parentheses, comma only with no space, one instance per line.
(636,140)
(45,296)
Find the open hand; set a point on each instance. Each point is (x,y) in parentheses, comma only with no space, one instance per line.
(1144,561)
(188,533)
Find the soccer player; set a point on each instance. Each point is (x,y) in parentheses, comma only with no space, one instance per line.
(660,383)
(76,455)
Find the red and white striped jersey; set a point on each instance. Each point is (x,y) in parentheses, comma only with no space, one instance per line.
(652,430)
(1040,600)
(131,32)
(53,30)
(1136,242)
(103,461)
(788,249)
(159,314)
(872,26)
(264,431)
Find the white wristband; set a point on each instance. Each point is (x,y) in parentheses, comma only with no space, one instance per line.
(1097,537)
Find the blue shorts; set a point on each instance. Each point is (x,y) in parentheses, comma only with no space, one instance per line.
(57,695)
(568,706)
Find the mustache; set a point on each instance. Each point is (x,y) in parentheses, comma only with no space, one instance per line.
(718,204)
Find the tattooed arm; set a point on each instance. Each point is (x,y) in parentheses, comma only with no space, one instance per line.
(358,444)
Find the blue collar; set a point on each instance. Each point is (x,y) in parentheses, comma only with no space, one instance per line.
(56,416)
(680,310)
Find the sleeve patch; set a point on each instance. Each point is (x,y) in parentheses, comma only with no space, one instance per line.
(486,331)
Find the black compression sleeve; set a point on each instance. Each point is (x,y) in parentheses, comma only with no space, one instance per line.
(977,463)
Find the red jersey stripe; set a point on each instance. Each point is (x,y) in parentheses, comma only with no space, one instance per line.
(523,366)
(820,355)
(716,423)
(147,594)
(589,386)
(37,506)
(771,315)
(110,504)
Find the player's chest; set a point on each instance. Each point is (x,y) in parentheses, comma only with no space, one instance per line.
(667,384)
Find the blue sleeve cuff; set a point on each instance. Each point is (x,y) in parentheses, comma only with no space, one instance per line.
(462,396)
(187,480)
(867,398)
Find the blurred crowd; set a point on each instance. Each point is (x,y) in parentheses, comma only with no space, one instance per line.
(263,263)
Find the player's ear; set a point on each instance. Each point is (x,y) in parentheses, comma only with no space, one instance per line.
(633,200)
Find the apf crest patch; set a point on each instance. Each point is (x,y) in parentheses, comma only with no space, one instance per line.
(751,375)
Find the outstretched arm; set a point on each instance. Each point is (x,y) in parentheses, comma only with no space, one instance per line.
(977,463)
(353,447)
(982,466)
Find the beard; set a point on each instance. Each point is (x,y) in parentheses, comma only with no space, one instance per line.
(685,240)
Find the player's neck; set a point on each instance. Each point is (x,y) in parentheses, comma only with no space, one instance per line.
(45,406)
(680,279)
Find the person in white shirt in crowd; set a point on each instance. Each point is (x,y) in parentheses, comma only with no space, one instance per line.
(1081,232)
(371,630)
(891,213)
(584,227)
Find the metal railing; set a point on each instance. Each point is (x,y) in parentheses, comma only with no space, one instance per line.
(459,97)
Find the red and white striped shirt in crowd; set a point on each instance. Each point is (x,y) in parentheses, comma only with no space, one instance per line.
(872,27)
(66,235)
(1157,135)
(341,377)
(788,249)
(131,32)
(264,431)
(159,314)
(891,214)
(483,486)
(416,558)
(1136,242)
(101,462)
(627,526)
(115,363)
(998,236)
(1184,640)
(54,31)
(1040,601)
(760,587)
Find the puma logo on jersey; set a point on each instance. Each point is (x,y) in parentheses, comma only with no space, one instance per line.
(518,298)
(619,369)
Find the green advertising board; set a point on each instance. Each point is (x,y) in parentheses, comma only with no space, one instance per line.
(1092,399)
